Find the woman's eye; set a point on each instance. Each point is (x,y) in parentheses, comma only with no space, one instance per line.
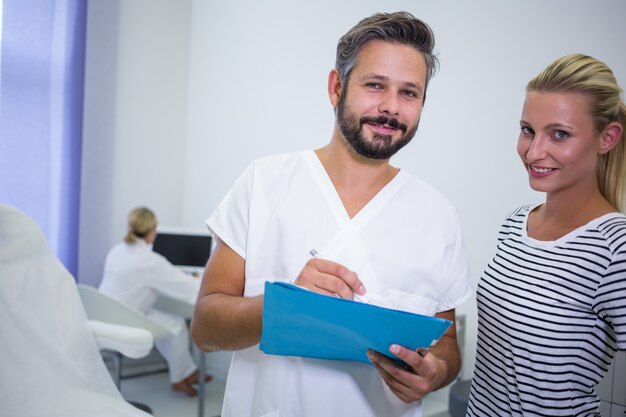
(560,134)
(526,130)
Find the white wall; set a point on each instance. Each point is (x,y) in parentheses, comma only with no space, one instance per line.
(135,134)
(256,84)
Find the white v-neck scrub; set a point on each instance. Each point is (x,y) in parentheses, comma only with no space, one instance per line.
(405,245)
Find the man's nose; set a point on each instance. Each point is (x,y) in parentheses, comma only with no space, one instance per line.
(389,104)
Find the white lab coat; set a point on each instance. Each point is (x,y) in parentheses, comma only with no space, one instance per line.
(405,245)
(50,364)
(136,275)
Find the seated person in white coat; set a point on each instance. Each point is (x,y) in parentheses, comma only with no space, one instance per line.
(377,230)
(136,275)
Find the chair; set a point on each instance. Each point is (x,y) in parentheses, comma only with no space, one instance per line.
(131,342)
(103,309)
(51,364)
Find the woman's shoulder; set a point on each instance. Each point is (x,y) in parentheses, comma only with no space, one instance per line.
(521,212)
(515,221)
(519,215)
(612,227)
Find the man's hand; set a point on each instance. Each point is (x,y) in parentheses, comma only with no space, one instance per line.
(425,371)
(330,278)
(420,376)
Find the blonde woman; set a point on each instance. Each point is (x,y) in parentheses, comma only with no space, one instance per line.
(552,302)
(136,275)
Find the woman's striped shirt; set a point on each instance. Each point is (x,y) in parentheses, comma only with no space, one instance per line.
(550,317)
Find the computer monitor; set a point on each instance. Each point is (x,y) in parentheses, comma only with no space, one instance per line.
(184,249)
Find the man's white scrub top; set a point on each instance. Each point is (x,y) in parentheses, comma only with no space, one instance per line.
(405,245)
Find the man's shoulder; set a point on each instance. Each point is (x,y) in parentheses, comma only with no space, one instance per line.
(279,160)
(423,192)
(278,165)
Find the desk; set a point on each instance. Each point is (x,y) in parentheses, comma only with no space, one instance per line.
(183,309)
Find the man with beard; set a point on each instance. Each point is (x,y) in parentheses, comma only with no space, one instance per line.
(342,221)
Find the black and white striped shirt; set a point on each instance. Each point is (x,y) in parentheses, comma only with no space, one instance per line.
(550,317)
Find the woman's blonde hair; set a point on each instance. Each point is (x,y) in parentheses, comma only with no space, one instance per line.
(592,78)
(140,222)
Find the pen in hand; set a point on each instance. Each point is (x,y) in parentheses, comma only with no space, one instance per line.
(356,296)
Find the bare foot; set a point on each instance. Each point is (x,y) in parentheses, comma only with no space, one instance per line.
(194,378)
(185,386)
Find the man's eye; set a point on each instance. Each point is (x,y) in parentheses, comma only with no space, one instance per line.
(377,86)
(410,94)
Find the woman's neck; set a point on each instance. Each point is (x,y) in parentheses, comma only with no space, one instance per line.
(560,214)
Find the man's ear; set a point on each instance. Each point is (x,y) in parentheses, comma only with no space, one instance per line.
(610,137)
(335,87)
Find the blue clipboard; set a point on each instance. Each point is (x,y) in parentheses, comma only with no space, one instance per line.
(299,322)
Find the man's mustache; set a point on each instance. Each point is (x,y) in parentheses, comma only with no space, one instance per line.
(383,120)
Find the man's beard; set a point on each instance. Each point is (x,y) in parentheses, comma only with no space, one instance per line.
(381,146)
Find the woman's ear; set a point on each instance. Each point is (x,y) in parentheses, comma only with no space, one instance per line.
(334,87)
(610,137)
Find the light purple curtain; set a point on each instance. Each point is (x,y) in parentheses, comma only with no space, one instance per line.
(41,109)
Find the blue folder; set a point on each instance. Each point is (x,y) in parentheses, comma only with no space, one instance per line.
(299,322)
